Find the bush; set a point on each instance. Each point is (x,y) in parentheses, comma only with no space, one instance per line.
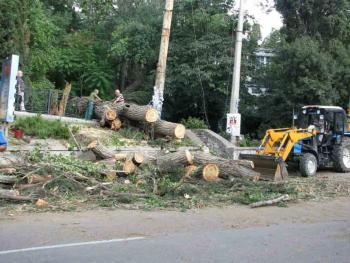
(194,123)
(41,128)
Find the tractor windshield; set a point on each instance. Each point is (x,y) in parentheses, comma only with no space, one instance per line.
(311,118)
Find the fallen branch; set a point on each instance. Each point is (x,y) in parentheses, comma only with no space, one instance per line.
(13,195)
(8,179)
(270,202)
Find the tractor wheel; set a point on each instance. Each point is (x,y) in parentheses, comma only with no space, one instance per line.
(308,164)
(341,156)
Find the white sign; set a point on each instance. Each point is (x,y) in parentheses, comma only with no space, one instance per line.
(233,124)
(7,88)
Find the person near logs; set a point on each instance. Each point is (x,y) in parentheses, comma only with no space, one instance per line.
(3,141)
(118,97)
(20,91)
(90,106)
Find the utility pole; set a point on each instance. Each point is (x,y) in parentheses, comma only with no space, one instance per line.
(158,94)
(234,102)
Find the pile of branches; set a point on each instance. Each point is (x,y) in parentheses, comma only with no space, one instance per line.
(168,179)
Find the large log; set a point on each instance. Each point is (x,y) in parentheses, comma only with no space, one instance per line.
(227,168)
(171,129)
(173,161)
(100,151)
(144,113)
(101,108)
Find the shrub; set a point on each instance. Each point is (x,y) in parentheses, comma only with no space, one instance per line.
(194,123)
(41,128)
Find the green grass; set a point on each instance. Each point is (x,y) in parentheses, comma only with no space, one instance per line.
(41,128)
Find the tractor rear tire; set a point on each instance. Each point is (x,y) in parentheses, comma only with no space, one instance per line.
(341,156)
(308,165)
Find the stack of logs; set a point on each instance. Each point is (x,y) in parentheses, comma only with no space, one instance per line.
(110,115)
(207,166)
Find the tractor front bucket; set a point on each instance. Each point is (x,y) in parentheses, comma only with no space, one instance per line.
(268,166)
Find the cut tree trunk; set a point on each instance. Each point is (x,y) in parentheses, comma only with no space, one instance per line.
(129,167)
(101,108)
(120,156)
(139,113)
(228,169)
(110,114)
(166,128)
(138,159)
(100,151)
(173,161)
(200,158)
(116,124)
(210,172)
(131,163)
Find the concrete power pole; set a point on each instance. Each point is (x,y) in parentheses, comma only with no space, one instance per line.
(158,94)
(234,102)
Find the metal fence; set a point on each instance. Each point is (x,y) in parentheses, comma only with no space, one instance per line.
(46,101)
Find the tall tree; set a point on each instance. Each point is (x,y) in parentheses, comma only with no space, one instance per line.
(312,62)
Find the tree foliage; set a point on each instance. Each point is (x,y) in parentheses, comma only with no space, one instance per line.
(312,59)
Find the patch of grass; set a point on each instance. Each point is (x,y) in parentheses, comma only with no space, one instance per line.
(41,128)
(251,192)
(132,134)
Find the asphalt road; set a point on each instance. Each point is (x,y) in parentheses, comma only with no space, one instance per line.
(319,242)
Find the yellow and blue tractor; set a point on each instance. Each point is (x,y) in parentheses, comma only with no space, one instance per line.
(320,139)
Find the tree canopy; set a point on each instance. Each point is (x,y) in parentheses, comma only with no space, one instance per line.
(311,65)
(106,44)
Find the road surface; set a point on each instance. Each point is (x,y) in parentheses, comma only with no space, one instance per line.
(303,232)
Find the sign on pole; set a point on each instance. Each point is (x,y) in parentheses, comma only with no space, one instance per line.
(7,88)
(233,124)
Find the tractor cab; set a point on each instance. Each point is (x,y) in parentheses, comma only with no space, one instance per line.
(329,121)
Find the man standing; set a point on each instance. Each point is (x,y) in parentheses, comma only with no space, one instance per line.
(118,97)
(20,90)
(90,106)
